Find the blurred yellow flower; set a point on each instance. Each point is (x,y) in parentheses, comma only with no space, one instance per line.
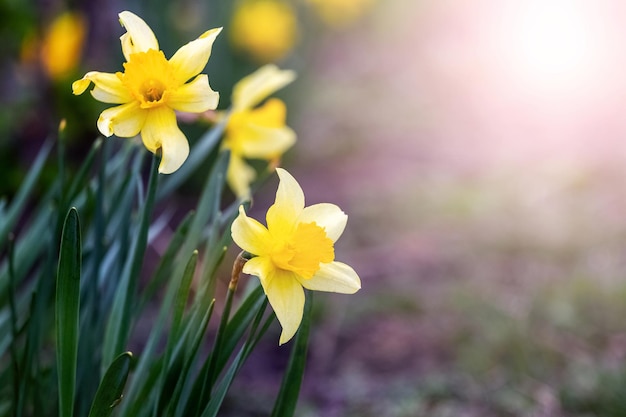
(60,49)
(265,29)
(256,133)
(340,13)
(62,45)
(294,251)
(151,88)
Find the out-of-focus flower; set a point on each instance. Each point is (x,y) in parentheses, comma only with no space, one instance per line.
(151,88)
(295,250)
(256,133)
(340,13)
(265,29)
(60,49)
(63,45)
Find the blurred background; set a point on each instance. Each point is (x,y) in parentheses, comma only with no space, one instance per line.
(478,148)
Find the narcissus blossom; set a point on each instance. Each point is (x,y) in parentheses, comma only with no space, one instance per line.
(151,88)
(59,50)
(256,132)
(294,251)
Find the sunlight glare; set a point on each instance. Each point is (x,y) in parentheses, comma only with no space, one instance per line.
(553,43)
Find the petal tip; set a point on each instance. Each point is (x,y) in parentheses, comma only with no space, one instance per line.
(79,86)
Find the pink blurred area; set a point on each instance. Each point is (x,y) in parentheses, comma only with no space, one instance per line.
(483,83)
(514,100)
(479,148)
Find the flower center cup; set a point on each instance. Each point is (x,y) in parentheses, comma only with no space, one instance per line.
(152,91)
(148,76)
(304,250)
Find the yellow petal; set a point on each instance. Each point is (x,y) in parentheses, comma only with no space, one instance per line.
(283,214)
(250,235)
(138,37)
(161,131)
(191,58)
(79,86)
(286,297)
(239,176)
(333,277)
(328,216)
(259,266)
(194,97)
(265,142)
(109,88)
(261,133)
(251,90)
(124,121)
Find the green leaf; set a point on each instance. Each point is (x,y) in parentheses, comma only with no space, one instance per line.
(285,404)
(183,293)
(67,309)
(163,271)
(10,217)
(80,179)
(176,341)
(238,325)
(111,387)
(217,397)
(119,324)
(187,348)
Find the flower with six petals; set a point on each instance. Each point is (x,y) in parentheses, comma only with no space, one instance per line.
(294,251)
(151,89)
(256,133)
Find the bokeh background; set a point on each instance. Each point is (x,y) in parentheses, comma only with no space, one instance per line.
(478,148)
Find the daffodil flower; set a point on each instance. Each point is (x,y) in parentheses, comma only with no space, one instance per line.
(256,133)
(294,251)
(151,88)
(264,29)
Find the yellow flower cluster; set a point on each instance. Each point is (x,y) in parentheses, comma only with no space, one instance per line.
(296,248)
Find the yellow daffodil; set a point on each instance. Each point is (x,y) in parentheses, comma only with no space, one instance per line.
(265,29)
(63,44)
(60,49)
(256,133)
(295,250)
(151,88)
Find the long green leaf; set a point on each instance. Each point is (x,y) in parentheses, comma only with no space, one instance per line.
(183,293)
(8,220)
(217,397)
(80,179)
(67,308)
(285,404)
(189,346)
(238,325)
(118,326)
(175,339)
(111,387)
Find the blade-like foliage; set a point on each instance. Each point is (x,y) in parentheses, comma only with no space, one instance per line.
(67,306)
